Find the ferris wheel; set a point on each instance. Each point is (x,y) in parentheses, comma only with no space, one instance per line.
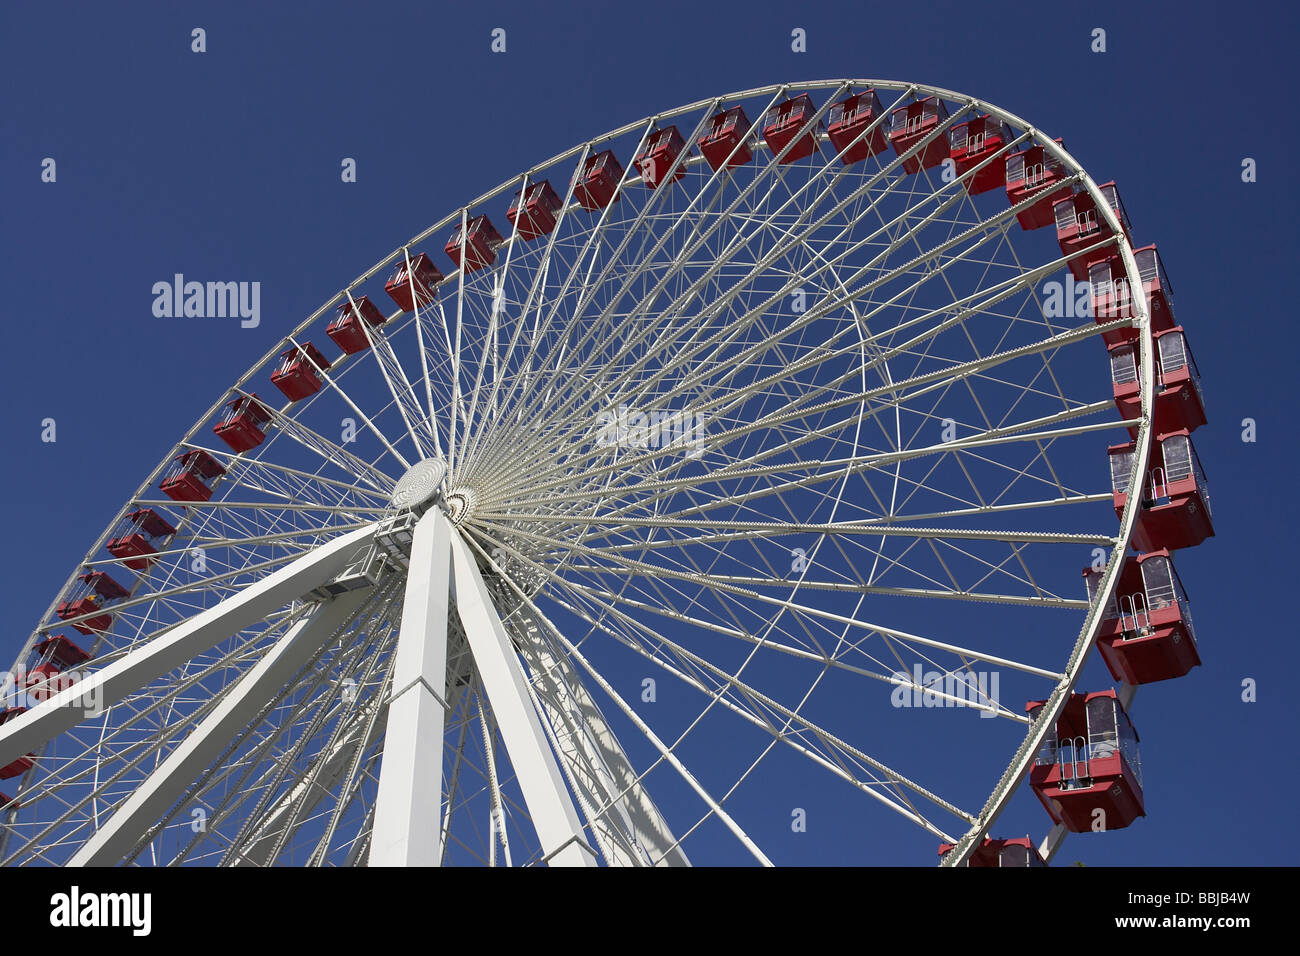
(738,463)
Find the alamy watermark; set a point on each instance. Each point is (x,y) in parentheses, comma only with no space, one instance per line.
(208,300)
(30,688)
(628,427)
(953,689)
(1067,300)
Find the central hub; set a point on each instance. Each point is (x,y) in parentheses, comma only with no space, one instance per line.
(460,505)
(420,486)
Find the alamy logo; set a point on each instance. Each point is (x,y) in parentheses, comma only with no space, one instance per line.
(629,428)
(208,300)
(74,908)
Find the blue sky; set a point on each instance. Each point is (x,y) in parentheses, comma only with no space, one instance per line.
(227,164)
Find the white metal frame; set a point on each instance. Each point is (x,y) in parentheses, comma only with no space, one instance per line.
(555,738)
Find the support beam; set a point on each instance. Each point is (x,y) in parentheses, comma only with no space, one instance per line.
(1052,842)
(554,818)
(130,823)
(631,830)
(408,816)
(200,633)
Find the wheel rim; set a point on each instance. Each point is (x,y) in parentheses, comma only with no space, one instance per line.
(681,300)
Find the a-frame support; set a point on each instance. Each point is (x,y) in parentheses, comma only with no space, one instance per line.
(408,811)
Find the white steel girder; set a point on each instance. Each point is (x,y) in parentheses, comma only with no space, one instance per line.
(405,831)
(407,824)
(623,818)
(130,823)
(200,633)
(558,827)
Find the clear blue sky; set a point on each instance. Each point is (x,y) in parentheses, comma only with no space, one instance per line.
(226,164)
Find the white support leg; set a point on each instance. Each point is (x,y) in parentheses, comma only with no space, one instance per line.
(554,817)
(164,786)
(408,816)
(34,729)
(631,831)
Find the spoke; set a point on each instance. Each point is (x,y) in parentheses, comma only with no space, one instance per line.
(728,680)
(383,440)
(390,368)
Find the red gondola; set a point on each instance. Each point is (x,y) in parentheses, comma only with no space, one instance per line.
(1175,496)
(724,144)
(421,291)
(54,655)
(1112,298)
(8,803)
(1157,288)
(20,766)
(660,152)
(61,652)
(782,124)
(846,122)
(299,372)
(1079,226)
(191,476)
(136,538)
(1179,403)
(974,142)
(1146,630)
(1088,774)
(1019,851)
(481,241)
(346,331)
(1034,172)
(598,184)
(912,123)
(244,425)
(96,590)
(541,210)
